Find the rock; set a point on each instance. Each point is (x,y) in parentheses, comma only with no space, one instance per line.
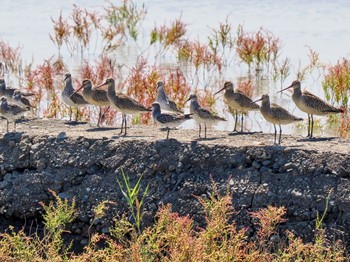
(176,172)
(84,242)
(65,195)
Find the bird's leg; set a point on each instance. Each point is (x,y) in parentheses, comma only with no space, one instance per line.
(7,125)
(236,119)
(205,131)
(242,122)
(103,115)
(99,117)
(121,129)
(76,114)
(279,141)
(312,126)
(168,131)
(14,125)
(275,137)
(308,125)
(70,113)
(199,130)
(125,125)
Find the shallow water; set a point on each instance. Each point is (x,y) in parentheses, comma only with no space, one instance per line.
(322,25)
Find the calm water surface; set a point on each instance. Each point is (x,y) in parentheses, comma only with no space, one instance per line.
(322,25)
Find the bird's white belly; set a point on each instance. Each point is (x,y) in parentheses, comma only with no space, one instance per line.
(68,100)
(307,109)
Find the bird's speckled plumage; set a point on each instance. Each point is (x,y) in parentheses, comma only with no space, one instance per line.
(167,120)
(310,104)
(202,115)
(71,98)
(123,103)
(238,102)
(276,115)
(94,96)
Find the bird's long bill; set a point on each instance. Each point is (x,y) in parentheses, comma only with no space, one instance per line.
(101,85)
(65,78)
(76,91)
(256,100)
(219,90)
(285,89)
(188,99)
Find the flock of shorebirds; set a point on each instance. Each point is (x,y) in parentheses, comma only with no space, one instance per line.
(13,104)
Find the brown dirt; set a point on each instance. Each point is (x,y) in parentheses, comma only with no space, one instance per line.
(152,133)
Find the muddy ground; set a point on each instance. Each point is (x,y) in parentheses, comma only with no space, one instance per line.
(82,161)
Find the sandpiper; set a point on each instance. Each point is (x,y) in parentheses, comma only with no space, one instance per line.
(94,96)
(276,115)
(310,104)
(9,92)
(20,100)
(165,103)
(167,120)
(237,101)
(11,111)
(123,103)
(201,115)
(76,100)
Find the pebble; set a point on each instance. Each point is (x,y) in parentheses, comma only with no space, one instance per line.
(105,230)
(64,195)
(287,166)
(256,165)
(84,242)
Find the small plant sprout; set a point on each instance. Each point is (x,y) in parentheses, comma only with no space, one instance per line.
(131,196)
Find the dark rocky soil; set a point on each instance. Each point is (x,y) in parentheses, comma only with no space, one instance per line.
(85,162)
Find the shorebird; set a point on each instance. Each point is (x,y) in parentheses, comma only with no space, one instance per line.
(9,92)
(10,111)
(276,115)
(237,101)
(310,104)
(20,100)
(165,103)
(201,115)
(76,100)
(167,120)
(94,96)
(122,103)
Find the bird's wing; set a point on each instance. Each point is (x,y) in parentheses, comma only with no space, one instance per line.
(128,103)
(315,102)
(245,101)
(282,113)
(78,99)
(173,106)
(167,118)
(99,95)
(16,110)
(206,114)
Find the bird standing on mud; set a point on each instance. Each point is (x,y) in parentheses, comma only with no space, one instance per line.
(237,101)
(202,115)
(94,96)
(122,103)
(76,100)
(11,111)
(310,104)
(165,103)
(276,115)
(167,120)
